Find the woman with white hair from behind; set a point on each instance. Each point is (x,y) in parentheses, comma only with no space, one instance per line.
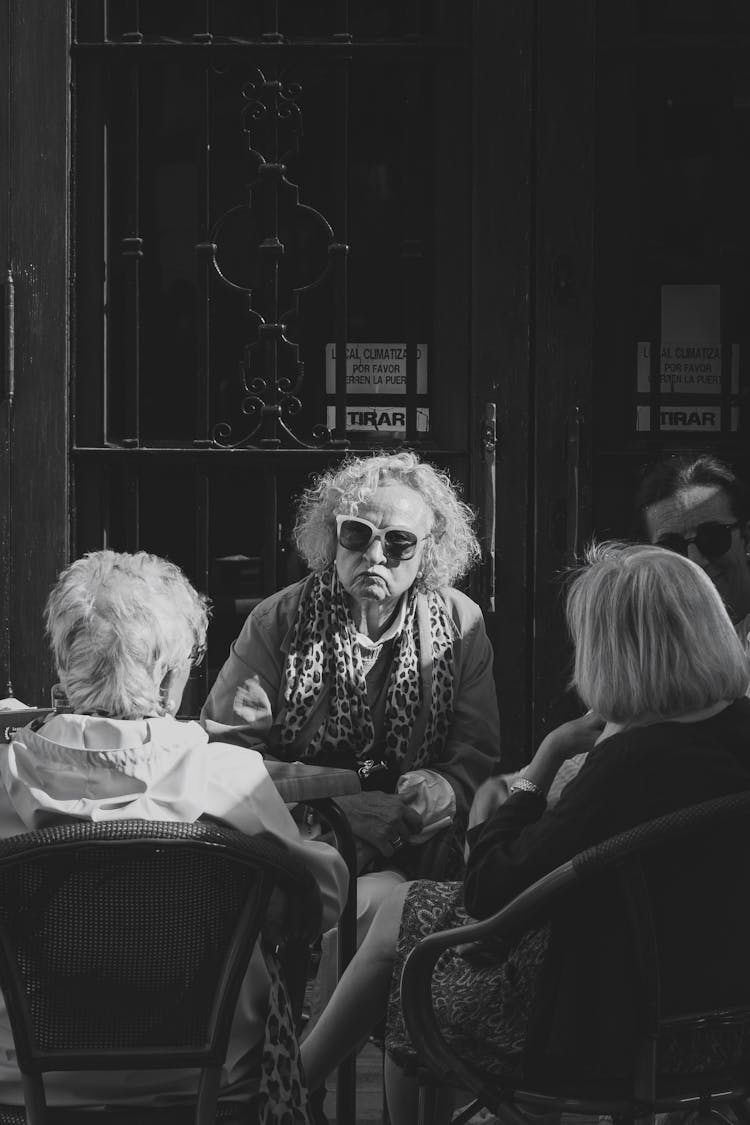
(125,630)
(664,675)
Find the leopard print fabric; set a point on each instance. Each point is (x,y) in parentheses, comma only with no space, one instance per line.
(482,1004)
(324,657)
(283,1092)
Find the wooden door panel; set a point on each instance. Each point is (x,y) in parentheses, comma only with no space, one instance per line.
(34,497)
(264,183)
(501,346)
(562,332)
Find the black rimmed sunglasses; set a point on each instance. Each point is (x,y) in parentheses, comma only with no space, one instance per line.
(712,539)
(356,534)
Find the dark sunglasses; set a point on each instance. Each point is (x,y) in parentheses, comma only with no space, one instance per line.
(712,539)
(356,534)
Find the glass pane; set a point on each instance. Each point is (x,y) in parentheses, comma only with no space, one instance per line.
(674,174)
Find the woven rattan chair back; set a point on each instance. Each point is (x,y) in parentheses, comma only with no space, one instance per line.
(123,945)
(689,869)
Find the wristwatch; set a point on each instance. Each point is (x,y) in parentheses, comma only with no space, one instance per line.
(523,785)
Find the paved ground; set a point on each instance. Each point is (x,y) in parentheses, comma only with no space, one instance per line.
(370,1094)
(369,1088)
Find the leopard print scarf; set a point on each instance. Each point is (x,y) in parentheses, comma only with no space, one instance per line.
(324,657)
(283,1091)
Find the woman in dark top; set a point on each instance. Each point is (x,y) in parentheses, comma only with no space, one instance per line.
(664,675)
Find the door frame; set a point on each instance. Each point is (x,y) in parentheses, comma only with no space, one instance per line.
(502,313)
(34,242)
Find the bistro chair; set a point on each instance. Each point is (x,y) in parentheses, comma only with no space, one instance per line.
(123,946)
(656,1031)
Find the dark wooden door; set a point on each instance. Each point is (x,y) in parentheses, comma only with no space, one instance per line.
(242,240)
(564,229)
(273,238)
(253,196)
(673,244)
(34,371)
(642,273)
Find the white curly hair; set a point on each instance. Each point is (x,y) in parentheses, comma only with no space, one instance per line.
(450,551)
(117,624)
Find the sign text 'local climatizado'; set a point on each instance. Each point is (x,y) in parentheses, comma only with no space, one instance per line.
(376,369)
(692,368)
(684,368)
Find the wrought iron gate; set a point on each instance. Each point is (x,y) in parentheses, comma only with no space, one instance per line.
(272,258)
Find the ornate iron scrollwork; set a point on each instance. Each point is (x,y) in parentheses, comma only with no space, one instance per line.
(272,248)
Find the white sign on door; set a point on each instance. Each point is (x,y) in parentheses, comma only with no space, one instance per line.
(376,419)
(703,418)
(373,369)
(688,368)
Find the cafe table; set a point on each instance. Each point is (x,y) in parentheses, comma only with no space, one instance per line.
(300,782)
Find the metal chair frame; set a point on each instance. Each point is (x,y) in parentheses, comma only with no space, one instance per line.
(621,856)
(338,822)
(259,864)
(334,815)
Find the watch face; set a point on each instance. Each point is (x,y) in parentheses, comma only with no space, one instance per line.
(374,774)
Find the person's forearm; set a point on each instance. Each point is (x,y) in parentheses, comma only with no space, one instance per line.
(465,768)
(543,767)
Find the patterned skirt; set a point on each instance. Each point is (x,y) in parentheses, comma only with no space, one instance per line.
(482,1004)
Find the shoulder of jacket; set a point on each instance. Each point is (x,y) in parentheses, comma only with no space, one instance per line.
(281,606)
(463,610)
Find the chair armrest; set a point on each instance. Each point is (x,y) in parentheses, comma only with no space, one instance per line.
(508,923)
(335,816)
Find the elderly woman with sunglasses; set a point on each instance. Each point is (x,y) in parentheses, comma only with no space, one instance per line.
(125,630)
(698,507)
(374,662)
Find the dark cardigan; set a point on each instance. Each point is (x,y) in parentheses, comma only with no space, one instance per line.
(629,778)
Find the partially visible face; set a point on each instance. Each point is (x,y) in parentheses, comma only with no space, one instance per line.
(369,576)
(682,514)
(177,685)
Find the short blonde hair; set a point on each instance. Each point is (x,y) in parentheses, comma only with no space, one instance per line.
(652,637)
(117,624)
(450,551)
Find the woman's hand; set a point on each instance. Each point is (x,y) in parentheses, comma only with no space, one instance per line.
(574,737)
(382,820)
(566,741)
(253,706)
